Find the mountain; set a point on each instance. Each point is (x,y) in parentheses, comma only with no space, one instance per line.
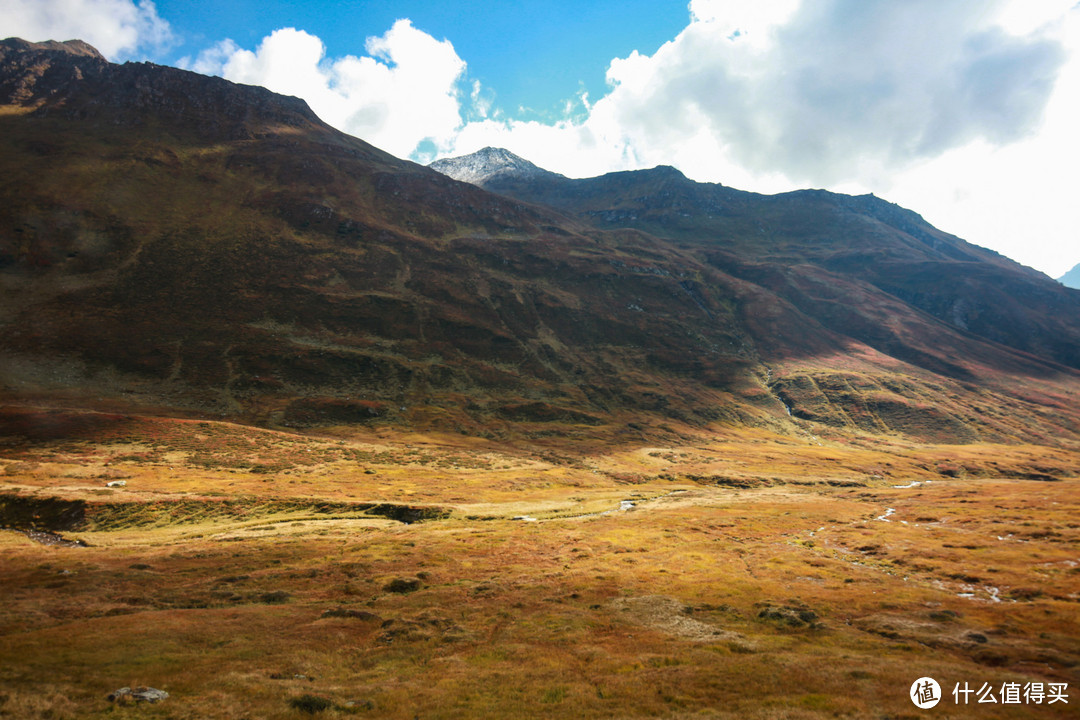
(491,164)
(864,239)
(1071,278)
(179,242)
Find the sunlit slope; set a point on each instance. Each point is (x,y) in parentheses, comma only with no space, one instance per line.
(181,242)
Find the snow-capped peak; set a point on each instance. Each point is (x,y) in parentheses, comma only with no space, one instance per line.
(483,165)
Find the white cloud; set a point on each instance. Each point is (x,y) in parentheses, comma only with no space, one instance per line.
(962,111)
(749,20)
(211,60)
(843,88)
(1019,199)
(119,29)
(1021,17)
(403,92)
(821,93)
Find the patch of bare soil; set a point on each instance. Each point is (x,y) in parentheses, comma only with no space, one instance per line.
(670,616)
(946,632)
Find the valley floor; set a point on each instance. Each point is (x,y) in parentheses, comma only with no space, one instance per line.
(258,574)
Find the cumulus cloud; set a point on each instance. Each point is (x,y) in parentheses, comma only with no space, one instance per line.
(211,60)
(965,111)
(853,95)
(119,29)
(766,94)
(889,84)
(831,90)
(738,18)
(403,92)
(1017,198)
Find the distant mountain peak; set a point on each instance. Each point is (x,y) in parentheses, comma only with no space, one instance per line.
(489,163)
(1071,278)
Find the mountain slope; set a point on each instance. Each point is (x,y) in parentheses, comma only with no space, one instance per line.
(178,241)
(863,238)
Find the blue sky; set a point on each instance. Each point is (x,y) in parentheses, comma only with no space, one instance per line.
(534,55)
(962,110)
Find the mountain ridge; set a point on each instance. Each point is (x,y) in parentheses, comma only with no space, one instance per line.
(507,179)
(864,237)
(178,241)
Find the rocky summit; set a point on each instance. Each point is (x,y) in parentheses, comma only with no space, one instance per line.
(491,164)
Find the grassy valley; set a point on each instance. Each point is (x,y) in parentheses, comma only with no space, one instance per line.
(252,573)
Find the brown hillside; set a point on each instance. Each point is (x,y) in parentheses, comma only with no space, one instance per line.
(178,241)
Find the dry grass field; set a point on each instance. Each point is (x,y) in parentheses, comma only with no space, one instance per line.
(663,574)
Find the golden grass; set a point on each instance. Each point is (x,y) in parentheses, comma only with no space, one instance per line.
(687,605)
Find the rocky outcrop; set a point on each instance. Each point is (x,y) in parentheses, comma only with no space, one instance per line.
(130,696)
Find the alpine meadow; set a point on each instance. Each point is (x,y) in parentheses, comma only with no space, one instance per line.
(292,427)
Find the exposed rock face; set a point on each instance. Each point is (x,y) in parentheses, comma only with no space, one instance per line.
(69,47)
(32,72)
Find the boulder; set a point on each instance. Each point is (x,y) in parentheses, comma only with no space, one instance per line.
(127,696)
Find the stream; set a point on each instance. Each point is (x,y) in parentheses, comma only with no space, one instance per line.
(624,506)
(49,538)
